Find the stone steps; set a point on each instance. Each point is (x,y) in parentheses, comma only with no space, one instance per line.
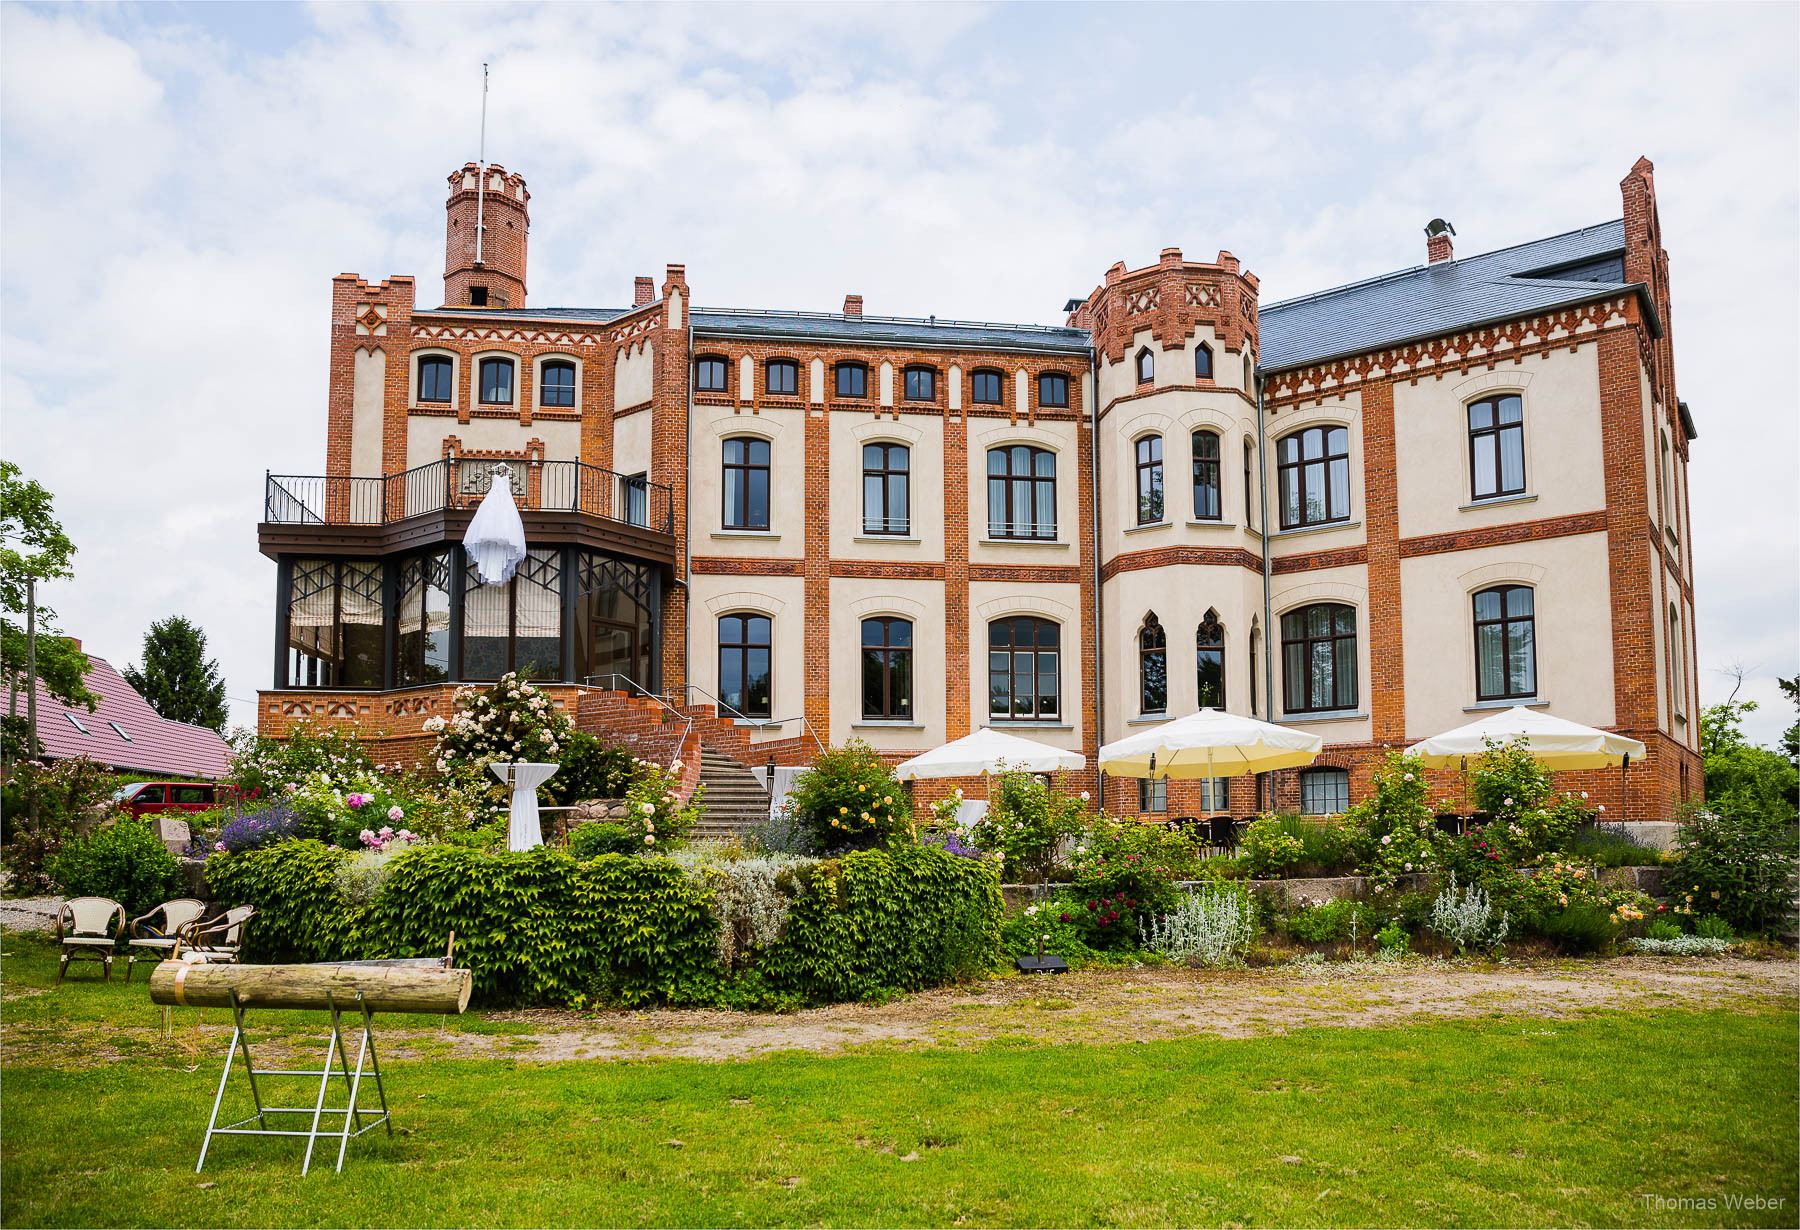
(735,801)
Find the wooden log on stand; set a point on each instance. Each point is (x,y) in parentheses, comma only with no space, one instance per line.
(398,986)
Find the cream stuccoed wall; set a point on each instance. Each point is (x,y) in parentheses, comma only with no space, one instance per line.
(854,599)
(631,447)
(991,600)
(634,375)
(1572,607)
(785,430)
(425,436)
(1175,415)
(1180,596)
(1174,368)
(1565,471)
(1064,438)
(783,600)
(923,435)
(1349,586)
(368,393)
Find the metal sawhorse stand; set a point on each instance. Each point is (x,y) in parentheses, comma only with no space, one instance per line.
(335,1049)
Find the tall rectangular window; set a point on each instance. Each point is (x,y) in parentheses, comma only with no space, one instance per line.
(423,621)
(1021,492)
(558,387)
(1505,644)
(886,495)
(746,477)
(436,375)
(1314,469)
(1207,504)
(887,669)
(1215,794)
(745,674)
(634,499)
(1497,447)
(336,625)
(1024,669)
(1318,658)
(1209,661)
(1153,794)
(1149,480)
(516,625)
(496,382)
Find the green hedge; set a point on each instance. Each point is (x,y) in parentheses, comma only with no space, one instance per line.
(542,928)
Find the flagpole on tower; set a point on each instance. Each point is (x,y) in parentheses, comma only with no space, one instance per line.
(481,168)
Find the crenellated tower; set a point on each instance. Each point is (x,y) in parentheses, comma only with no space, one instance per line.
(502,214)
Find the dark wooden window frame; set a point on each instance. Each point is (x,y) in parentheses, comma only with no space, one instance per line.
(1036,650)
(1008,525)
(1306,640)
(1498,431)
(1506,622)
(749,467)
(742,649)
(548,390)
(708,365)
(920,373)
(1327,780)
(447,384)
(1146,366)
(1152,508)
(1209,638)
(1203,362)
(1207,477)
(977,384)
(789,366)
(1295,471)
(886,520)
(512,381)
(1048,396)
(892,657)
(1153,658)
(858,370)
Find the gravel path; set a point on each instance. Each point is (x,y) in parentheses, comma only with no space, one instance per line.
(29,913)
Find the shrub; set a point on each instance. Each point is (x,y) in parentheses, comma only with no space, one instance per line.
(1281,845)
(361,877)
(1680,945)
(1568,885)
(67,793)
(268,768)
(126,861)
(1610,846)
(1466,919)
(256,829)
(654,816)
(1392,939)
(781,833)
(1662,929)
(300,915)
(1580,928)
(1328,923)
(506,722)
(596,838)
(588,769)
(1400,835)
(1125,871)
(750,897)
(1712,927)
(1212,927)
(1268,849)
(1736,866)
(1024,823)
(849,797)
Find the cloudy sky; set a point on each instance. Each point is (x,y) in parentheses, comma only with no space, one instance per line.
(179,183)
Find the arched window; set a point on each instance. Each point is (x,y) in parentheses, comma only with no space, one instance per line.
(1249,377)
(710,374)
(852,380)
(1249,471)
(1255,655)
(886,498)
(920,384)
(1318,658)
(887,669)
(1053,390)
(782,378)
(1146,366)
(436,377)
(1497,447)
(1314,467)
(746,475)
(1209,660)
(1207,504)
(1149,480)
(745,677)
(496,382)
(1324,792)
(1677,662)
(557,387)
(1505,643)
(1203,357)
(1021,492)
(984,388)
(1024,669)
(1153,667)
(1668,488)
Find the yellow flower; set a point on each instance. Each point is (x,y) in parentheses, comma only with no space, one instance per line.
(843,811)
(865,815)
(860,789)
(887,798)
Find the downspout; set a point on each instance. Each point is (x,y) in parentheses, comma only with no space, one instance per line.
(687,521)
(1262,522)
(1099,640)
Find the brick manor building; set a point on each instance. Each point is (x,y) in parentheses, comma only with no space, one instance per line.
(1378,510)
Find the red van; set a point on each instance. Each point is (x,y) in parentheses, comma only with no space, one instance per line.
(152,798)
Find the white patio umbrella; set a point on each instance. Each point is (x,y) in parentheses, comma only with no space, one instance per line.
(1209,743)
(495,539)
(1556,743)
(989,751)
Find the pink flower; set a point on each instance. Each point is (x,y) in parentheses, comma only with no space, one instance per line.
(357,800)
(394,813)
(386,832)
(219,846)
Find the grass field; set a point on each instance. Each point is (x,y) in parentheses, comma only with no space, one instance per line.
(1501,1121)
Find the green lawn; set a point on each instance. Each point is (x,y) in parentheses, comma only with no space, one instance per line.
(1491,1122)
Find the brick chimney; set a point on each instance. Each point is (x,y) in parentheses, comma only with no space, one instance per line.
(643,291)
(1437,242)
(853,305)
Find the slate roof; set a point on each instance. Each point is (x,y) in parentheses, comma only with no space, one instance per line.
(150,742)
(1429,300)
(1395,308)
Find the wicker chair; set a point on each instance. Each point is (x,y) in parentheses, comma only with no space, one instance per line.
(157,941)
(87,928)
(218,941)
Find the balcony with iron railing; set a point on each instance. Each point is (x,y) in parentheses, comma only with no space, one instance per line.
(369,515)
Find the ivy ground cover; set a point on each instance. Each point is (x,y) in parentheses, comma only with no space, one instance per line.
(1505,1120)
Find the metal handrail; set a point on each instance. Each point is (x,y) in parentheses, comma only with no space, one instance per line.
(647,694)
(761,724)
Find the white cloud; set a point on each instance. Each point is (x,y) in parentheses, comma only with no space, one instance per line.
(180,184)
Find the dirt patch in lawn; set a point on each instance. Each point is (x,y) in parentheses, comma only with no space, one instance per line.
(1107,1006)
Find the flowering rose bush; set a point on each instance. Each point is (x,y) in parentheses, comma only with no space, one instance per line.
(655,821)
(1734,866)
(263,767)
(850,798)
(507,722)
(1401,835)
(1024,823)
(1530,820)
(1267,848)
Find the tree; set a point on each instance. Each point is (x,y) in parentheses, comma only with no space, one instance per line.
(1741,778)
(177,678)
(1790,740)
(33,547)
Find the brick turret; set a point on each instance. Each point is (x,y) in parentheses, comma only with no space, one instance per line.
(498,278)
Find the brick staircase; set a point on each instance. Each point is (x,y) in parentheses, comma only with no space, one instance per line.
(735,801)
